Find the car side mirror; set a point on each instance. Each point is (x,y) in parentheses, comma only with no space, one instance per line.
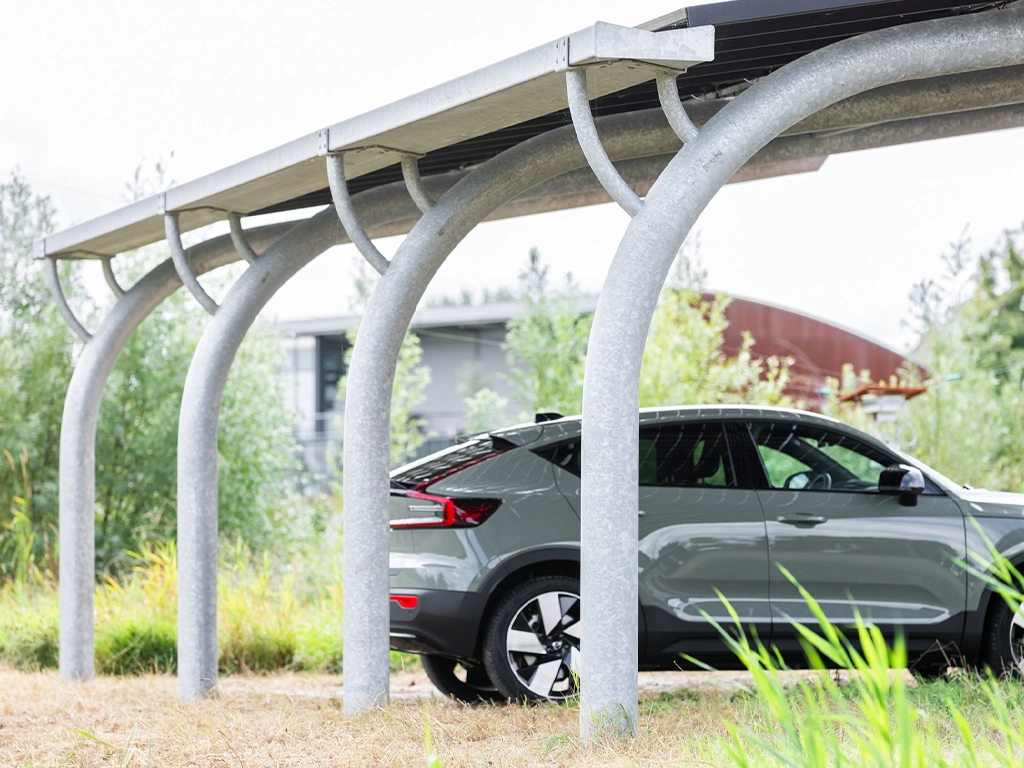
(907,482)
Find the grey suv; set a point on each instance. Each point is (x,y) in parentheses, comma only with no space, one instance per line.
(485,548)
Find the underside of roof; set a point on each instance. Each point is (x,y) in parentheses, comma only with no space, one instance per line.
(467,121)
(749,44)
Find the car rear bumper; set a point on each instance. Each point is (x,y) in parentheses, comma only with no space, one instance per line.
(442,622)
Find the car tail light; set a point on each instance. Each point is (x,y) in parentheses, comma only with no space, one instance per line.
(427,510)
(406,601)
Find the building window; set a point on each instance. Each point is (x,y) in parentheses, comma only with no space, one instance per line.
(330,367)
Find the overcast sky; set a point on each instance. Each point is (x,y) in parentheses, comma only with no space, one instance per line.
(91,90)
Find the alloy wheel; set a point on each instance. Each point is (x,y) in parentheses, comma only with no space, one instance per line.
(1017,639)
(543,644)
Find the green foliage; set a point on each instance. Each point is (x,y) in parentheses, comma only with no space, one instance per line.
(684,363)
(36,358)
(271,616)
(411,379)
(546,343)
(683,360)
(485,410)
(973,350)
(136,451)
(875,718)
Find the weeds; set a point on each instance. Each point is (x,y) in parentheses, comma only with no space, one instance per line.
(270,617)
(971,720)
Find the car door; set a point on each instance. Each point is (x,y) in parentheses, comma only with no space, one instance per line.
(701,531)
(702,536)
(856,550)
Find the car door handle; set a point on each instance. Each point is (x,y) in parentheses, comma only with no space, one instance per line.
(802,519)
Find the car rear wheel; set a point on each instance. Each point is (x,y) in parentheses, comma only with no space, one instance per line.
(1003,651)
(468,684)
(532,648)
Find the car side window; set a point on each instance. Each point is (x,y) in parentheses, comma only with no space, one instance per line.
(803,457)
(687,455)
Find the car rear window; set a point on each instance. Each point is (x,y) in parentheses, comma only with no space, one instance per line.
(427,471)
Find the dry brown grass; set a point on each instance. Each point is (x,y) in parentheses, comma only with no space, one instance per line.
(296,719)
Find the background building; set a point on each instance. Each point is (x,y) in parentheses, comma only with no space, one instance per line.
(463,343)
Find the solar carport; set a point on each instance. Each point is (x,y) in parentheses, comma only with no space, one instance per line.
(656,118)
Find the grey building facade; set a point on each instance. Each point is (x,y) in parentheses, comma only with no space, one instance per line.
(462,347)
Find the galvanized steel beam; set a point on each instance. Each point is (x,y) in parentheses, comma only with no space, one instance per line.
(111,278)
(239,239)
(57,291)
(396,216)
(586,132)
(181,264)
(668,95)
(414,183)
(608,704)
(77,482)
(200,412)
(347,214)
(371,372)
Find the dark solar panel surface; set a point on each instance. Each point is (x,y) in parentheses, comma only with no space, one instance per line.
(752,38)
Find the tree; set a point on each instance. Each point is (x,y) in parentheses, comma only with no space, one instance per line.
(969,424)
(683,362)
(136,454)
(36,358)
(546,343)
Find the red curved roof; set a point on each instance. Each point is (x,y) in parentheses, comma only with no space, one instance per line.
(818,349)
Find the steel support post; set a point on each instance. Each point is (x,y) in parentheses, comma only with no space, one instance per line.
(77,483)
(637,274)
(372,370)
(200,412)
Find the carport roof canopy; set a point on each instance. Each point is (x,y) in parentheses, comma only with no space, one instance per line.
(466,121)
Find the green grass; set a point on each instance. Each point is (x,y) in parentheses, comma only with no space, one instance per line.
(973,719)
(270,617)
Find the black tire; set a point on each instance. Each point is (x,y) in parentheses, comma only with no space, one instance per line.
(462,683)
(540,620)
(1002,650)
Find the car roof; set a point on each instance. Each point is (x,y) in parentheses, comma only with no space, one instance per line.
(694,412)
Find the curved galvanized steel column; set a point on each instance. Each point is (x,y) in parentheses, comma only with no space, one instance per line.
(197,443)
(372,370)
(200,412)
(637,274)
(77,496)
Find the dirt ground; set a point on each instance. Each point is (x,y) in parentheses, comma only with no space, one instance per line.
(296,719)
(291,719)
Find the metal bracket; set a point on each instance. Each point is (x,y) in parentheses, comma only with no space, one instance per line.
(590,142)
(347,213)
(108,274)
(674,49)
(62,303)
(182,266)
(238,238)
(668,95)
(414,183)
